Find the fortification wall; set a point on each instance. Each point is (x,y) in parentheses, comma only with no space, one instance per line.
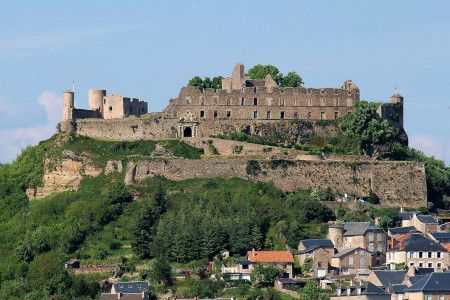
(126,129)
(396,183)
(271,103)
(78,113)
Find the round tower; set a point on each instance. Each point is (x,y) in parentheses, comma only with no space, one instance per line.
(96,100)
(68,105)
(335,233)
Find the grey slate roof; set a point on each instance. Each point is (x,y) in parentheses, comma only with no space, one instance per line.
(347,251)
(313,244)
(388,278)
(401,230)
(427,219)
(367,288)
(131,287)
(397,288)
(358,228)
(442,237)
(434,282)
(414,279)
(419,242)
(406,215)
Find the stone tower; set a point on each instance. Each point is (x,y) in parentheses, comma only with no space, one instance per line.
(237,79)
(96,100)
(335,233)
(68,105)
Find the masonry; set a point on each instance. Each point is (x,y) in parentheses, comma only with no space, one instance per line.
(242,104)
(396,183)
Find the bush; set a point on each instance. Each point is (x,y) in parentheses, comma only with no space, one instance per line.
(253,167)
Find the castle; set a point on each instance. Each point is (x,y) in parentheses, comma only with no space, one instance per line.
(240,105)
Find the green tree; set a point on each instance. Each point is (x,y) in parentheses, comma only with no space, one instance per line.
(144,231)
(196,81)
(261,71)
(47,272)
(256,238)
(161,272)
(271,294)
(266,274)
(311,291)
(292,79)
(376,136)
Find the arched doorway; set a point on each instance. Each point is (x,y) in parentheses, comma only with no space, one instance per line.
(187,132)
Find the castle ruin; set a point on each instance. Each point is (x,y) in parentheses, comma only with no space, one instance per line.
(240,105)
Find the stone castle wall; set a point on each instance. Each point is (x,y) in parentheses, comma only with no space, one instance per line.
(126,129)
(268,103)
(396,183)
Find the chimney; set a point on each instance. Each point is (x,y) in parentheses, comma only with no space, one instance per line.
(253,252)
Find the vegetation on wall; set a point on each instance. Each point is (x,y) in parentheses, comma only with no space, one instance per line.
(292,79)
(206,83)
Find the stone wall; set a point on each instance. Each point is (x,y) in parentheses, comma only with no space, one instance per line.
(126,129)
(268,103)
(396,183)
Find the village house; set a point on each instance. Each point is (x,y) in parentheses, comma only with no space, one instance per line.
(386,278)
(133,290)
(360,234)
(319,251)
(243,269)
(349,261)
(366,291)
(423,223)
(420,251)
(434,286)
(283,259)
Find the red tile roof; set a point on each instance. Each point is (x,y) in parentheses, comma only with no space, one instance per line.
(270,256)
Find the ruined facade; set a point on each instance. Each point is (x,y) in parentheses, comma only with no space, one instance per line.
(101,106)
(243,104)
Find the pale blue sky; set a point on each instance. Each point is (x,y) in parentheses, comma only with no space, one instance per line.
(149,50)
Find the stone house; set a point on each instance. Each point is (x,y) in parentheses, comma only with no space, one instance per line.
(420,251)
(434,286)
(133,290)
(319,251)
(397,231)
(283,259)
(366,291)
(386,278)
(239,271)
(423,223)
(350,260)
(360,234)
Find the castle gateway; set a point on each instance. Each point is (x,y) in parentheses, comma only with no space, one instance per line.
(240,105)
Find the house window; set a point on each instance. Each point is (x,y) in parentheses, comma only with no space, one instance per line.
(202,114)
(438,254)
(268,115)
(420,265)
(255,101)
(296,115)
(110,108)
(420,254)
(380,237)
(319,264)
(242,101)
(441,297)
(282,115)
(430,255)
(337,102)
(411,264)
(282,102)
(202,101)
(438,265)
(400,297)
(428,297)
(322,115)
(245,267)
(430,265)
(228,102)
(336,114)
(309,102)
(309,115)
(255,115)
(228,114)
(323,102)
(215,114)
(350,260)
